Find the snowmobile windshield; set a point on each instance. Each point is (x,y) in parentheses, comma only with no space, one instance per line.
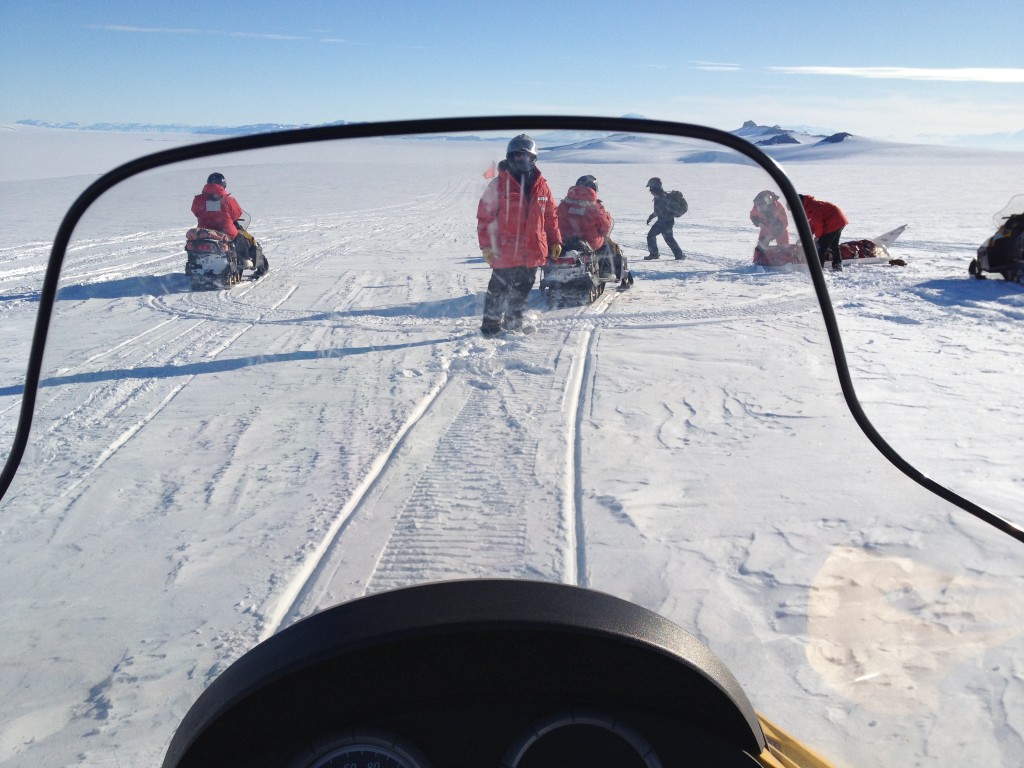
(1013,208)
(217,454)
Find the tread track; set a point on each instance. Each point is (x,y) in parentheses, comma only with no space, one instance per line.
(423,506)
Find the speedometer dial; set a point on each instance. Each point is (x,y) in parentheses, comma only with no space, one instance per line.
(366,750)
(581,737)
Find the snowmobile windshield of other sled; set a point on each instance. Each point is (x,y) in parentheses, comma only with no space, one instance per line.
(1013,208)
(723,511)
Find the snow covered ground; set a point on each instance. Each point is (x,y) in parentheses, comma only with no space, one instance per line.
(206,468)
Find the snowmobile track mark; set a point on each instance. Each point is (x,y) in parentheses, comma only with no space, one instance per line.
(300,586)
(401,511)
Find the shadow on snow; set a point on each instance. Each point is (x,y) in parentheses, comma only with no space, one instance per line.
(218,366)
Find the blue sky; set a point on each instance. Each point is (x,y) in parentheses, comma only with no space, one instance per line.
(883,69)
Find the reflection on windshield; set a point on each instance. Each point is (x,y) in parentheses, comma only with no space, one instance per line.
(211,463)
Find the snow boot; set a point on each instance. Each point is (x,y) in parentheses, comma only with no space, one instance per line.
(512,322)
(651,256)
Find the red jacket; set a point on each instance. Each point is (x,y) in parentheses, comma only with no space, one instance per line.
(823,217)
(581,214)
(518,230)
(214,208)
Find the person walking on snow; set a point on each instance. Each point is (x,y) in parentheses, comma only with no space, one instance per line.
(769,214)
(827,221)
(581,215)
(665,211)
(517,229)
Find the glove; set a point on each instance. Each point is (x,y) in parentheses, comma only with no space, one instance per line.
(651,218)
(555,251)
(488,254)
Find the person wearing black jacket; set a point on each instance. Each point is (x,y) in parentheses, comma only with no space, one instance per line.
(665,212)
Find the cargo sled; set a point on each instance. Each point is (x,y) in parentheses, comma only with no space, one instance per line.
(869,251)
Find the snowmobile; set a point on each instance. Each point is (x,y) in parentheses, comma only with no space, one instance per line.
(578,276)
(1003,253)
(670,534)
(211,258)
(867,251)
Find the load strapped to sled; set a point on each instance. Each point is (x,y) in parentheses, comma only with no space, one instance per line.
(202,233)
(873,251)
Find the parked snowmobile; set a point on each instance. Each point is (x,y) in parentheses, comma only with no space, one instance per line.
(1003,253)
(211,260)
(659,536)
(578,275)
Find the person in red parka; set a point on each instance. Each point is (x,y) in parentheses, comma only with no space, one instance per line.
(517,228)
(770,215)
(215,209)
(581,215)
(827,221)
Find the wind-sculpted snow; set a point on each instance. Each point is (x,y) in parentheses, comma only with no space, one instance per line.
(207,467)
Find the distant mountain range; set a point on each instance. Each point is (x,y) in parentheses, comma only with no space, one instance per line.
(212,130)
(773,136)
(768,136)
(762,135)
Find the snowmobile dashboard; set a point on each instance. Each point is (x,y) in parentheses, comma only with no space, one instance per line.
(473,673)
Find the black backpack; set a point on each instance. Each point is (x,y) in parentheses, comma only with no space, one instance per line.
(679,206)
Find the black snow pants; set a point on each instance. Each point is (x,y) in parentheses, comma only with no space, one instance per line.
(828,245)
(663,227)
(507,293)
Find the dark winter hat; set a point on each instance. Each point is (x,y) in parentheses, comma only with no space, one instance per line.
(654,183)
(217,178)
(587,181)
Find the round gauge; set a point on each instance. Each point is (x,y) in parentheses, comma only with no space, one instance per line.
(581,737)
(366,750)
